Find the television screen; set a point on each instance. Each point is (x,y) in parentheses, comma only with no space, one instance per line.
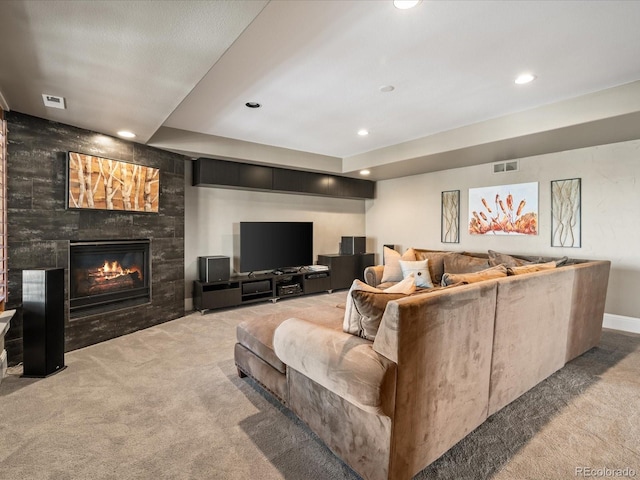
(275,245)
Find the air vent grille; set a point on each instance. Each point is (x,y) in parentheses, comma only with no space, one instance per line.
(53,101)
(504,167)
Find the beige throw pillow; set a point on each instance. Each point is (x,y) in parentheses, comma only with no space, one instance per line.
(534,267)
(392,271)
(494,272)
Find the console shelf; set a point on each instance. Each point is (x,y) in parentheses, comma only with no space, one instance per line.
(245,289)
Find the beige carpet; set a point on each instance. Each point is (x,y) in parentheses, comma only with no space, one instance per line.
(166,403)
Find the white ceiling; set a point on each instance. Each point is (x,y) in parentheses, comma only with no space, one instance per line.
(178,73)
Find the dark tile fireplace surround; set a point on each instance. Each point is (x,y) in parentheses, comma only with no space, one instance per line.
(41,233)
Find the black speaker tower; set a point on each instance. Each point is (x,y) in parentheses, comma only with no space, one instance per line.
(43,321)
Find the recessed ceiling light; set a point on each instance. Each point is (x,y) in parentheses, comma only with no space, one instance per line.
(525,78)
(126,134)
(365,172)
(363,132)
(387,88)
(253,105)
(405,4)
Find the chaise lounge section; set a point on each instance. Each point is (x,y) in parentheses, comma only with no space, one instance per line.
(443,360)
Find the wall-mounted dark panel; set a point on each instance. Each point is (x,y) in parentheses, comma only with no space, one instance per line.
(351,187)
(297,181)
(255,176)
(222,173)
(209,172)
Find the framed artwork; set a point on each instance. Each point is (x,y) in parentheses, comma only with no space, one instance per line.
(103,184)
(566,212)
(504,210)
(450,217)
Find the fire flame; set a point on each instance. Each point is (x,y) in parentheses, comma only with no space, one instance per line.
(112,270)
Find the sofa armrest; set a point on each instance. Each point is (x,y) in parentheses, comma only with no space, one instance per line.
(373,275)
(342,363)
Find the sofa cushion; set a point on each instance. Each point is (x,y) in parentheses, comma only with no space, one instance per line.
(256,334)
(487,274)
(496,258)
(392,271)
(458,263)
(534,267)
(436,262)
(366,304)
(344,364)
(420,271)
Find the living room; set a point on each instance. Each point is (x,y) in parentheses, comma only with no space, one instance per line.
(586,130)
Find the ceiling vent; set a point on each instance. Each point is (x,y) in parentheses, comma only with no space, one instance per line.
(53,101)
(502,167)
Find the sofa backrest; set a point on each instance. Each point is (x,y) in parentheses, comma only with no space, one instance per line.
(530,333)
(441,342)
(587,306)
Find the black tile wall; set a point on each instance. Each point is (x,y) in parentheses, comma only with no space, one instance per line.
(40,227)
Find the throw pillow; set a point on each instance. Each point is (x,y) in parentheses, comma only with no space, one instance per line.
(370,307)
(420,271)
(436,262)
(392,271)
(496,258)
(406,286)
(535,267)
(561,261)
(351,322)
(365,306)
(458,263)
(494,272)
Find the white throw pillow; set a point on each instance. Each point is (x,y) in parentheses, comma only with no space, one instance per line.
(420,271)
(392,271)
(406,286)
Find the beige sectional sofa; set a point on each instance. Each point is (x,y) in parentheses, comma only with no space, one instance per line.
(442,361)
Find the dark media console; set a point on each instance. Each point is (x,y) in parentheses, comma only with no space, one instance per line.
(244,289)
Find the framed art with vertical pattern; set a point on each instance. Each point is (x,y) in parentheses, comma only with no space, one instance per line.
(566,213)
(450,217)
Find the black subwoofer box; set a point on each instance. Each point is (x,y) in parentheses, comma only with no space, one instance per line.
(213,269)
(353,245)
(43,321)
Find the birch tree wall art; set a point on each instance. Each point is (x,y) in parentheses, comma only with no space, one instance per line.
(565,213)
(104,184)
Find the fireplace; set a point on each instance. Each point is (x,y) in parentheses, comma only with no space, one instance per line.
(107,275)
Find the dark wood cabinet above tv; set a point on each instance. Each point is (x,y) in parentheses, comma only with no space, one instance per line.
(210,172)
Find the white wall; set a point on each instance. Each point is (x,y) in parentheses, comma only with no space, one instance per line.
(211,214)
(406,212)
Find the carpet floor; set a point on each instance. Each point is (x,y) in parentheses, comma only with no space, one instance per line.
(166,403)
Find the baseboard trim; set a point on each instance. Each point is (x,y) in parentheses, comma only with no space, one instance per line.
(620,322)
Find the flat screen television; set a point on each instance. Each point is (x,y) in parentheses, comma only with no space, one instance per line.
(275,245)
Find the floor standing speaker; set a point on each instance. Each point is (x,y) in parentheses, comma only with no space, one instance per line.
(43,321)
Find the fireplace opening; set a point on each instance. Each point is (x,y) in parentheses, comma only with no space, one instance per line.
(107,275)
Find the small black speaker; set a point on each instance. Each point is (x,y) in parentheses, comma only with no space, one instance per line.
(213,269)
(43,321)
(353,245)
